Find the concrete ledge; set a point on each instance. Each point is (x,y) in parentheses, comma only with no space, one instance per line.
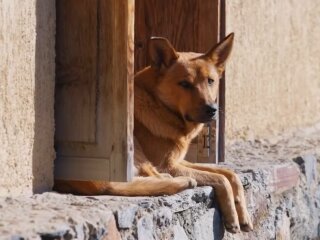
(280,205)
(58,216)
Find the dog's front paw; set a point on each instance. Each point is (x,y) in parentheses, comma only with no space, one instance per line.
(232,227)
(246,224)
(246,227)
(192,183)
(244,219)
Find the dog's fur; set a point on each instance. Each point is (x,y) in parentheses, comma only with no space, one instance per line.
(173,98)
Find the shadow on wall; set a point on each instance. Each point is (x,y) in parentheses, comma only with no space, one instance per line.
(43,151)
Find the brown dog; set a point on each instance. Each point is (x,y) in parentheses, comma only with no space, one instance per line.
(173,98)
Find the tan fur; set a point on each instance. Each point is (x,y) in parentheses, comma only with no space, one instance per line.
(169,113)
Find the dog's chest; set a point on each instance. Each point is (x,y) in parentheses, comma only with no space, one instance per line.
(159,150)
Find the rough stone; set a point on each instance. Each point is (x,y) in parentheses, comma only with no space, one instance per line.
(206,228)
(145,228)
(179,233)
(163,217)
(283,227)
(285,177)
(308,165)
(125,216)
(112,231)
(55,216)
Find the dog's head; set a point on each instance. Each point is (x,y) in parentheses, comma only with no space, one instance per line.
(187,83)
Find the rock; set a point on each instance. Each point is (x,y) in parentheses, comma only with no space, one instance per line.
(285,177)
(178,233)
(283,227)
(125,216)
(145,228)
(308,165)
(209,226)
(163,217)
(112,231)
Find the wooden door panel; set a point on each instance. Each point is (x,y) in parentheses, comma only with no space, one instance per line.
(190,25)
(93,99)
(76,79)
(77,104)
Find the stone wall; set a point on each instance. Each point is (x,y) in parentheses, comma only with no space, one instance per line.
(27,30)
(282,207)
(272,79)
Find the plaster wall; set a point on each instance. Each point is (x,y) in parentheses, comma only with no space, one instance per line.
(272,79)
(27,30)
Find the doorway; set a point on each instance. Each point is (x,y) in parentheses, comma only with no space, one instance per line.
(99,46)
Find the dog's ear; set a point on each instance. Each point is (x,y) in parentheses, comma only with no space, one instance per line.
(161,52)
(220,52)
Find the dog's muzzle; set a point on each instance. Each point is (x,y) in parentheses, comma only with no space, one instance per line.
(211,111)
(205,114)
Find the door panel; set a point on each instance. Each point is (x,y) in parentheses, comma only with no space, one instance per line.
(94,89)
(76,80)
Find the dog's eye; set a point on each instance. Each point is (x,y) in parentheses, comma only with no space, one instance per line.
(185,84)
(210,81)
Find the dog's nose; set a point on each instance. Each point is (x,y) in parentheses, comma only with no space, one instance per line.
(211,110)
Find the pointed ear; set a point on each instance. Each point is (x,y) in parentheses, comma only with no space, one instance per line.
(161,52)
(219,54)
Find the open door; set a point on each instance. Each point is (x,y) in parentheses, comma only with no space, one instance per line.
(94,89)
(190,25)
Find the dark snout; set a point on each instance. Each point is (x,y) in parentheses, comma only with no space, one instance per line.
(203,114)
(211,111)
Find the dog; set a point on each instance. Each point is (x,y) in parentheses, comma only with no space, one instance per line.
(174,97)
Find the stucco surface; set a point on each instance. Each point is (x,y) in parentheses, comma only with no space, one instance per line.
(272,79)
(26,95)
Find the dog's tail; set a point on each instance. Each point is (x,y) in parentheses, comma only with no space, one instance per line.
(140,186)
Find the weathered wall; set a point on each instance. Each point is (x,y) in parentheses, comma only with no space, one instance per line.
(26,95)
(272,79)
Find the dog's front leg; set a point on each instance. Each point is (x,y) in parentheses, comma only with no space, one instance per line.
(238,191)
(222,187)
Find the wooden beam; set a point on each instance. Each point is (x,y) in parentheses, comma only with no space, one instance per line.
(222,89)
(117,45)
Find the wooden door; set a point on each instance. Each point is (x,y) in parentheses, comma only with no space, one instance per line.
(190,25)
(94,89)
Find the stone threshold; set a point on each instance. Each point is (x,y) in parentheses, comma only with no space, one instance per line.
(190,214)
